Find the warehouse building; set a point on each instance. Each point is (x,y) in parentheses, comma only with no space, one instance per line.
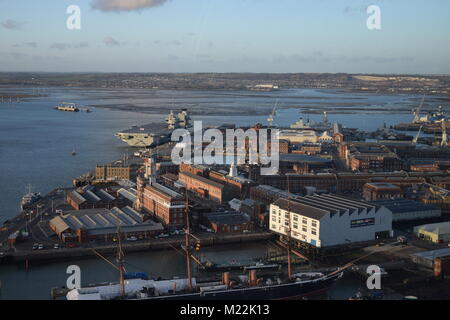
(329,220)
(437,232)
(428,258)
(203,187)
(407,210)
(101,225)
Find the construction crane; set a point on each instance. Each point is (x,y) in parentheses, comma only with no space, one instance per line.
(444,142)
(416,112)
(416,139)
(272,115)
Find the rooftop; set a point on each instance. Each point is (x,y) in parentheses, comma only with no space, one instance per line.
(318,206)
(403,205)
(202,179)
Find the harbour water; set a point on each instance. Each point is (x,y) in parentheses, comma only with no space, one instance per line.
(36,143)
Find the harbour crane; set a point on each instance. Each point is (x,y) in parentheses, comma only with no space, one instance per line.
(444,142)
(272,115)
(416,112)
(416,139)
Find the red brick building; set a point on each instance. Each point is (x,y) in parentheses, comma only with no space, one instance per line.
(163,203)
(204,187)
(379,191)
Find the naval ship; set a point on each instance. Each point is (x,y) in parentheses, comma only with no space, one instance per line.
(154,134)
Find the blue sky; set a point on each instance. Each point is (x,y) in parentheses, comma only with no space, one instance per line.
(226,36)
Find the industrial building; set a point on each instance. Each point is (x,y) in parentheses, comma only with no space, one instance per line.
(296,136)
(165,204)
(329,220)
(407,210)
(90,197)
(205,188)
(381,190)
(428,258)
(112,173)
(229,222)
(436,232)
(101,225)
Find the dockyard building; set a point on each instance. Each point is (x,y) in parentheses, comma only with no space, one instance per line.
(101,225)
(437,232)
(329,220)
(203,187)
(409,210)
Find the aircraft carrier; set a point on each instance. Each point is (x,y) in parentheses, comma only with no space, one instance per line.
(154,134)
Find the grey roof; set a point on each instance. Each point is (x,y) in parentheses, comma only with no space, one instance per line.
(202,179)
(127,194)
(77,198)
(96,219)
(403,205)
(304,210)
(105,196)
(91,197)
(316,207)
(431,255)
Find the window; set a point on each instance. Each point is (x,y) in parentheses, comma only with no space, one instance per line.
(295,226)
(314,224)
(295,218)
(305,229)
(305,221)
(314,231)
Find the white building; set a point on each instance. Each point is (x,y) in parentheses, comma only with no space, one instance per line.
(298,136)
(436,232)
(330,220)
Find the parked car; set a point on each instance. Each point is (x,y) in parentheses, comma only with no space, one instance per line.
(35,246)
(56,246)
(71,245)
(133,238)
(41,247)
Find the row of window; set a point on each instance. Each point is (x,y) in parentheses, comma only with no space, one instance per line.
(295,218)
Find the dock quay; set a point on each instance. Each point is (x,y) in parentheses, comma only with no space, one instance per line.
(208,240)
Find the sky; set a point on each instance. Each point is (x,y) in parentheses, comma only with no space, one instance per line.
(226,36)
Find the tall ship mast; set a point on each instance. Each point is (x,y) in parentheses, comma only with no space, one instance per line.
(243,287)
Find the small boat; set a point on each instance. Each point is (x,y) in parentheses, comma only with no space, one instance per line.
(65,106)
(74,153)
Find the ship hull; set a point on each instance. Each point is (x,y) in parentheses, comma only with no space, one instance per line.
(290,291)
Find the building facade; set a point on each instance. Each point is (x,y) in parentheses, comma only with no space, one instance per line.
(329,220)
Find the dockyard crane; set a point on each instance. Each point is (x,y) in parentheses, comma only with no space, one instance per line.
(272,115)
(444,142)
(417,111)
(416,139)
